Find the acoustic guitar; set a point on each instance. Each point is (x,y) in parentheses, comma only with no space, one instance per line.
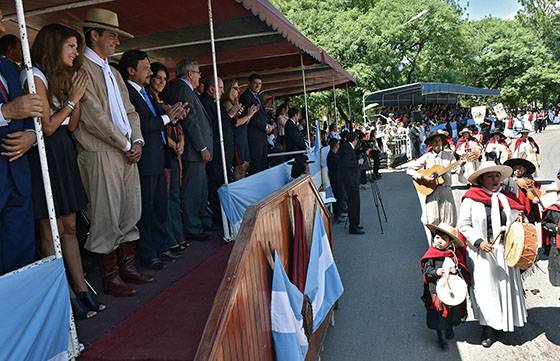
(426,187)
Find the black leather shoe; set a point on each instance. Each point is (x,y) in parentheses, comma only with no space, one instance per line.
(177,249)
(449,334)
(184,244)
(356,231)
(154,264)
(487,337)
(81,312)
(169,256)
(89,300)
(359,227)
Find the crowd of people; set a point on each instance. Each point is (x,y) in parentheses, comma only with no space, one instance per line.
(470,241)
(414,125)
(134,152)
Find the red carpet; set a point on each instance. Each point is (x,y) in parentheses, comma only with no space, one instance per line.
(169,327)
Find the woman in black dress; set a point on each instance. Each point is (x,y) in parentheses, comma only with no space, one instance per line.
(61,84)
(239,118)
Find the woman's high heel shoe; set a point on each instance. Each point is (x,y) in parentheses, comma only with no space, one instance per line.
(80,312)
(89,300)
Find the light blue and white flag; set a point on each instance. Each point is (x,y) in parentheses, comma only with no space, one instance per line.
(323,285)
(290,342)
(34,313)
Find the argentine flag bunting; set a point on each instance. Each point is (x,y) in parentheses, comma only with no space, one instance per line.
(35,313)
(290,342)
(323,285)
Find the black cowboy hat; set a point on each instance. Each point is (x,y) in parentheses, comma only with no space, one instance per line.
(523,162)
(499,131)
(434,134)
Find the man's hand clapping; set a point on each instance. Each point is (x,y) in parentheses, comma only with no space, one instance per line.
(176,112)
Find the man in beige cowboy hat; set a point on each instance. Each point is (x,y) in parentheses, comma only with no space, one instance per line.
(109,147)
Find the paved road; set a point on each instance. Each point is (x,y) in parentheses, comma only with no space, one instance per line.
(381,316)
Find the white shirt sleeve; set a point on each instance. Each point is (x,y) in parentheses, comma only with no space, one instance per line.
(166,119)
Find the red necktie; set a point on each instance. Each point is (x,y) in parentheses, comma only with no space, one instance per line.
(3,91)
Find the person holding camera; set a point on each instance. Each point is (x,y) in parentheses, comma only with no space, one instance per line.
(349,171)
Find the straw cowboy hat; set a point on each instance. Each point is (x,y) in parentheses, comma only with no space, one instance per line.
(465,130)
(550,195)
(447,230)
(522,162)
(487,167)
(103,19)
(435,133)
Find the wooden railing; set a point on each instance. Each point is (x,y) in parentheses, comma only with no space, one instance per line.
(239,325)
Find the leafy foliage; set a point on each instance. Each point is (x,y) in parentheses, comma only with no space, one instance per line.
(376,41)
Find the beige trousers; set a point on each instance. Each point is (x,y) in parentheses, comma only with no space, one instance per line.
(113,190)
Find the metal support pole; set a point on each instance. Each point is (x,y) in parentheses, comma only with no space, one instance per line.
(334,97)
(73,343)
(225,224)
(349,106)
(305,100)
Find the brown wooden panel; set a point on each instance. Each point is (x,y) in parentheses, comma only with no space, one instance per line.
(238,327)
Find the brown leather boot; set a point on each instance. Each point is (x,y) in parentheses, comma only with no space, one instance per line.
(112,282)
(127,265)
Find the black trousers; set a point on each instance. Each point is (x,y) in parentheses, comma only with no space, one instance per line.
(338,192)
(259,155)
(152,225)
(352,189)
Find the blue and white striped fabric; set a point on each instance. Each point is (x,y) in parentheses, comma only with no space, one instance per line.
(290,342)
(323,285)
(34,316)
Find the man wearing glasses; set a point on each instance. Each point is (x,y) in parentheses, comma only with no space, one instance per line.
(198,148)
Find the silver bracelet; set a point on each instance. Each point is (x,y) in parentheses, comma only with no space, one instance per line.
(70,104)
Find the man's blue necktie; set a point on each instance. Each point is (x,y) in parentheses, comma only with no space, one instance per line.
(153,110)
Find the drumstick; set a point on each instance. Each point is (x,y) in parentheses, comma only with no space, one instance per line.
(501,234)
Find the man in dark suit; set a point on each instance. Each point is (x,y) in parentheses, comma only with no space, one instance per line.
(349,169)
(198,148)
(334,178)
(259,126)
(153,246)
(215,168)
(295,141)
(17,236)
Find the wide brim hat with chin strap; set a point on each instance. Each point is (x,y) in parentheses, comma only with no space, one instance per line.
(450,231)
(434,134)
(103,19)
(488,167)
(529,166)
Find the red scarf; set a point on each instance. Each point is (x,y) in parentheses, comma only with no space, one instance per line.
(531,140)
(554,208)
(479,194)
(463,140)
(459,257)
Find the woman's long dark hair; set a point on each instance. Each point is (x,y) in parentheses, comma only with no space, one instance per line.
(46,53)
